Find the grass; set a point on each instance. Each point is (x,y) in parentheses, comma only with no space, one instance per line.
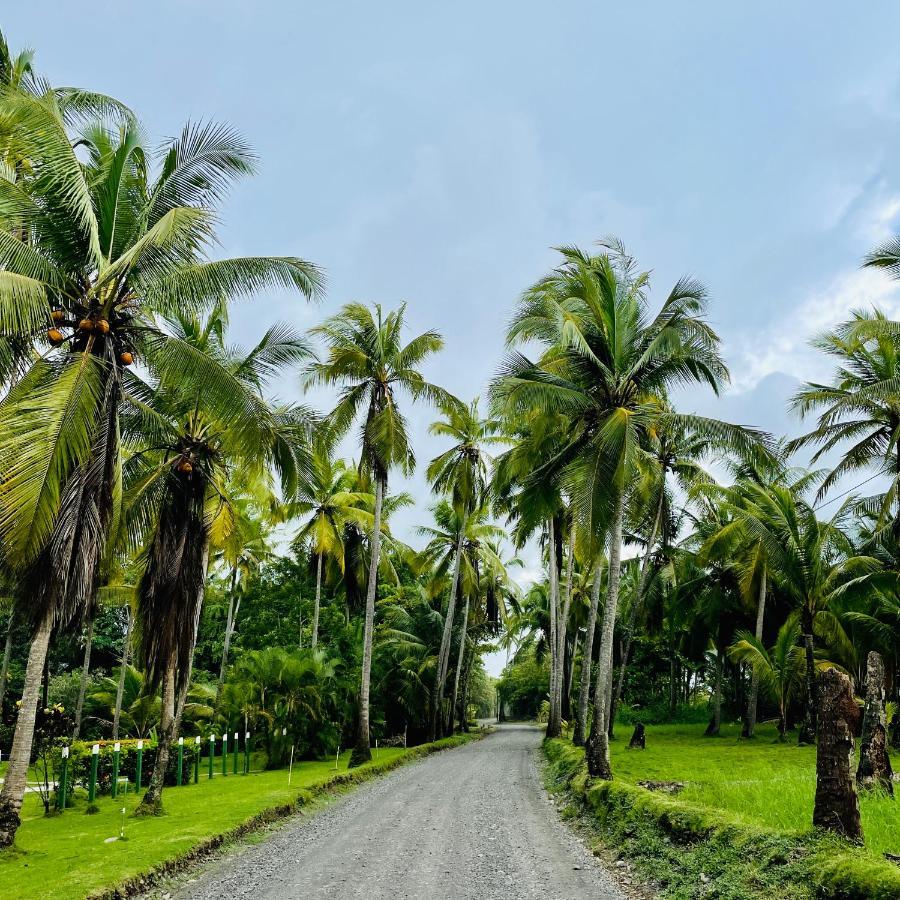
(68,856)
(760,782)
(740,829)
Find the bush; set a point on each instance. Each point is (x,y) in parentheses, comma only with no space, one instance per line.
(659,713)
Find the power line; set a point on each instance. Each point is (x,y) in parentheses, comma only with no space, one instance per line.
(848,491)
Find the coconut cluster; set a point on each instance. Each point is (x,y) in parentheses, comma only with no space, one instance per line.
(85,324)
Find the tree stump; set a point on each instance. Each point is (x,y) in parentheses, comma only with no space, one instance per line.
(638,739)
(874,763)
(837,805)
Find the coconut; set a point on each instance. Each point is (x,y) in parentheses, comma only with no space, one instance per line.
(185,467)
(55,336)
(58,315)
(126,358)
(86,324)
(102,326)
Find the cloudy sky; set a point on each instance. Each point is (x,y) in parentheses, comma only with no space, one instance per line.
(434,154)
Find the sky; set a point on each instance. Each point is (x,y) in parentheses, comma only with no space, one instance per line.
(435,154)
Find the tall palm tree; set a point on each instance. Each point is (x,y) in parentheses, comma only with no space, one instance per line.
(91,244)
(329,503)
(462,473)
(180,492)
(607,367)
(367,358)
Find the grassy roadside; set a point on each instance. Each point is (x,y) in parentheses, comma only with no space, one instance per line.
(69,857)
(718,837)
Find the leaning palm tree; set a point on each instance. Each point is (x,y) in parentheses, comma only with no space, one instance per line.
(329,503)
(367,358)
(91,243)
(462,473)
(607,368)
(187,447)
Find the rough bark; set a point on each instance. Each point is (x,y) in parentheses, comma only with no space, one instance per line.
(464,701)
(229,630)
(874,769)
(808,727)
(463,625)
(715,722)
(7,653)
(584,693)
(318,601)
(362,751)
(553,720)
(562,623)
(20,754)
(638,738)
(120,689)
(753,700)
(597,753)
(437,694)
(570,678)
(836,805)
(643,582)
(82,683)
(151,804)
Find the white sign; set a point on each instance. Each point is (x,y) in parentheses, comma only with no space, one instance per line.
(65,752)
(140,745)
(116,747)
(181,742)
(95,749)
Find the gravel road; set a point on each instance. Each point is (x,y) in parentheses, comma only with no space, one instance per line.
(472,823)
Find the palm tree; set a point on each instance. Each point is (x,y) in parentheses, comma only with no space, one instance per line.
(606,368)
(461,472)
(367,358)
(180,491)
(330,503)
(100,243)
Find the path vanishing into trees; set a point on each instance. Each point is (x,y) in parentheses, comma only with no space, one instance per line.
(467,823)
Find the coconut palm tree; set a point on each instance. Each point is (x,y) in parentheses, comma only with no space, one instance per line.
(606,368)
(329,503)
(462,473)
(368,360)
(91,244)
(187,447)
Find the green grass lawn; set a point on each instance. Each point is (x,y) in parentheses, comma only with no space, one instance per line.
(761,782)
(67,856)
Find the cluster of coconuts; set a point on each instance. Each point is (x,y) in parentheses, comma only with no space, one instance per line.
(88,324)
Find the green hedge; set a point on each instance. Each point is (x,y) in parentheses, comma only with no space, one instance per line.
(694,838)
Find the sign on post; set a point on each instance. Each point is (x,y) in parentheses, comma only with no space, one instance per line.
(179,775)
(139,766)
(212,753)
(117,747)
(225,753)
(196,759)
(61,787)
(92,784)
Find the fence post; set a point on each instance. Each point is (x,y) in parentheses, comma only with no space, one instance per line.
(92,784)
(246,752)
(224,752)
(139,766)
(179,775)
(212,753)
(115,778)
(234,764)
(197,759)
(61,786)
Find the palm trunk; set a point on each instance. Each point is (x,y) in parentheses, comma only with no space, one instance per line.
(20,754)
(85,670)
(633,612)
(584,693)
(443,659)
(570,678)
(229,629)
(874,768)
(807,730)
(553,722)
(362,752)
(753,699)
(464,702)
(120,689)
(7,653)
(715,722)
(463,625)
(597,753)
(151,804)
(561,627)
(315,624)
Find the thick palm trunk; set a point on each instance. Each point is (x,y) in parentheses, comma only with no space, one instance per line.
(437,694)
(20,754)
(464,702)
(633,612)
(463,625)
(362,752)
(233,602)
(584,693)
(82,684)
(597,752)
(874,768)
(715,722)
(553,719)
(315,623)
(753,699)
(151,804)
(807,730)
(561,627)
(570,679)
(120,689)
(7,654)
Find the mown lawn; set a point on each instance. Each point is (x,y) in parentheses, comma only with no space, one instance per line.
(762,781)
(67,856)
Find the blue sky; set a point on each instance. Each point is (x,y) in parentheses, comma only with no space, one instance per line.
(434,154)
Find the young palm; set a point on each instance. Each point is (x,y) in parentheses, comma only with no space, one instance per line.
(329,502)
(368,360)
(606,368)
(181,481)
(460,472)
(88,251)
